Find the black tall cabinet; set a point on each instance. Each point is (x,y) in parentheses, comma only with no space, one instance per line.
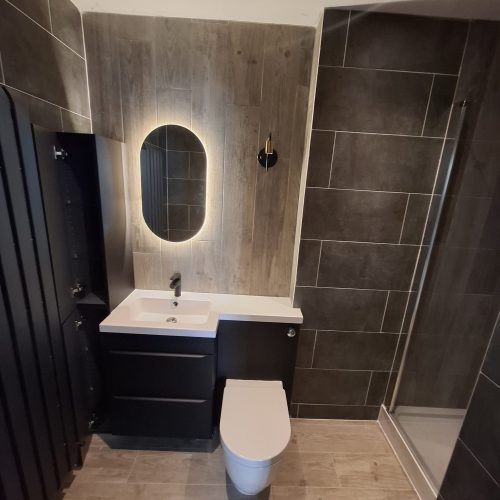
(64,263)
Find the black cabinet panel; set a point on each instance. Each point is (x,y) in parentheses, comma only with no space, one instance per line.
(55,210)
(157,343)
(75,342)
(159,385)
(172,375)
(178,418)
(257,351)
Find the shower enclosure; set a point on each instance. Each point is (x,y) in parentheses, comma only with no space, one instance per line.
(455,295)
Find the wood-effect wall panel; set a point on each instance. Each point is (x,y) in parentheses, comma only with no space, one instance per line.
(231,83)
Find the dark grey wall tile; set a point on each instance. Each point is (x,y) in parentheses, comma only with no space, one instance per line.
(305,348)
(186,192)
(385,163)
(337,309)
(378,387)
(409,43)
(481,429)
(394,312)
(197,166)
(178,217)
(366,265)
(38,10)
(178,164)
(67,24)
(466,479)
(371,101)
(416,215)
(440,104)
(333,37)
(51,72)
(354,351)
(320,158)
(75,123)
(491,365)
(330,386)
(40,112)
(339,412)
(390,387)
(399,351)
(307,268)
(353,215)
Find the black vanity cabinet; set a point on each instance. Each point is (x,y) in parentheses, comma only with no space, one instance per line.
(160,386)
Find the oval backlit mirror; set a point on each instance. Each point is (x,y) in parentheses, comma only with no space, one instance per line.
(173,182)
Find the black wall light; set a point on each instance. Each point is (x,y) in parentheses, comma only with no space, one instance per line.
(267,156)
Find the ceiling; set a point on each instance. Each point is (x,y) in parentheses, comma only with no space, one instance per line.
(297,12)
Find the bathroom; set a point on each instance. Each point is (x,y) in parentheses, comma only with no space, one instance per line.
(249,250)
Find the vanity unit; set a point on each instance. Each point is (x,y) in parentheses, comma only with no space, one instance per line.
(166,378)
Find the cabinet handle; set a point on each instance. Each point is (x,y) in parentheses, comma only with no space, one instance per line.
(291,332)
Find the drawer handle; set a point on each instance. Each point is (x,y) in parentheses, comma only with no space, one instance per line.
(158,354)
(291,333)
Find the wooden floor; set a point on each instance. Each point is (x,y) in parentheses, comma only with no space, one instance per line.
(325,460)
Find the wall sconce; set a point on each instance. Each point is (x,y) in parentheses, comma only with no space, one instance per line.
(267,156)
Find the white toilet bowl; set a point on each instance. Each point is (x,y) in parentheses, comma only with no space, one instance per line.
(254,431)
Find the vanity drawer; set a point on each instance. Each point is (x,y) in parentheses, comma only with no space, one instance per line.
(160,374)
(180,418)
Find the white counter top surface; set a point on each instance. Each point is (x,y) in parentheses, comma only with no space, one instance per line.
(222,307)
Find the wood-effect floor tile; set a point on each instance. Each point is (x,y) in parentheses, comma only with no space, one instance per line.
(325,460)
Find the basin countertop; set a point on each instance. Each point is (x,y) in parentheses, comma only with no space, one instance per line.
(222,307)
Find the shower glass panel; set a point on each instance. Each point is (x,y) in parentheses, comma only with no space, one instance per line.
(455,298)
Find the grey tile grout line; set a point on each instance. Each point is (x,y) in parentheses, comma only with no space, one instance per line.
(388,70)
(319,262)
(370,332)
(489,379)
(367,190)
(404,219)
(50,17)
(354,288)
(490,340)
(346,39)
(453,247)
(314,347)
(342,419)
(343,369)
(362,132)
(48,102)
(331,159)
(2,74)
(428,105)
(44,29)
(86,72)
(366,243)
(385,310)
(478,461)
(368,388)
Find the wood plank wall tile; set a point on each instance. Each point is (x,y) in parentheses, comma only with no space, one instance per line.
(231,83)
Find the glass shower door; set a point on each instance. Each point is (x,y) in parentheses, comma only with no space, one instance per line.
(457,302)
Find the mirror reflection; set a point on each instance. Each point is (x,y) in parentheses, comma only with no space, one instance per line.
(173,182)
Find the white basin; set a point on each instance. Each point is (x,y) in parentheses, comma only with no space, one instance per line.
(163,316)
(180,311)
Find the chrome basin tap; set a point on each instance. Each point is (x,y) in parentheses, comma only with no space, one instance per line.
(175,284)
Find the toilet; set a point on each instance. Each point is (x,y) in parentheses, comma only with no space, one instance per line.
(254,432)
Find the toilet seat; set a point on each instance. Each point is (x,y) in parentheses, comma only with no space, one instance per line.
(255,426)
